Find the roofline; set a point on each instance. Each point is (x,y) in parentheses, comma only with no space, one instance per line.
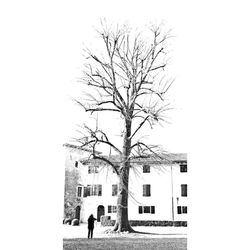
(77,147)
(145,160)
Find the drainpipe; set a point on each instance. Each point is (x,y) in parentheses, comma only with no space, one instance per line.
(172,189)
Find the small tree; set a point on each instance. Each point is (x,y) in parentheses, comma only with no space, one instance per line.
(126,80)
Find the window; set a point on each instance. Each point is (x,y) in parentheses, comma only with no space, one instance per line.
(94,190)
(146,169)
(93,169)
(183,168)
(114,189)
(184,209)
(76,164)
(184,190)
(79,191)
(146,190)
(112,209)
(146,209)
(181,209)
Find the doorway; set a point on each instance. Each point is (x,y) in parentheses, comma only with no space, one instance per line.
(100,212)
(77,212)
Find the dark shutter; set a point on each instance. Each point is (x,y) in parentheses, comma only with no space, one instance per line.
(148,190)
(140,209)
(85,192)
(99,190)
(144,190)
(79,191)
(152,209)
(178,209)
(76,164)
(88,190)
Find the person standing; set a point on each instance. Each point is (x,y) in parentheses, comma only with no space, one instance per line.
(91,221)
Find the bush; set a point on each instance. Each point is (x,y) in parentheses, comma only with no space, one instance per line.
(67,221)
(75,222)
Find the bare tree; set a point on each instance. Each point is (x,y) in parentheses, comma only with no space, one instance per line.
(128,79)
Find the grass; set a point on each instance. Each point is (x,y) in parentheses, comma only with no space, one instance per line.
(125,243)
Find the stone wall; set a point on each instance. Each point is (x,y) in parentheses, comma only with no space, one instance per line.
(71,201)
(153,223)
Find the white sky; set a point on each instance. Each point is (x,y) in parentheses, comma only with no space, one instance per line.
(172,136)
(40,57)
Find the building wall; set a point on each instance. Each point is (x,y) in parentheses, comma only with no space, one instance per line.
(73,179)
(165,182)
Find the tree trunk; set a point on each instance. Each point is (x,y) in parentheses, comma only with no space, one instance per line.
(122,222)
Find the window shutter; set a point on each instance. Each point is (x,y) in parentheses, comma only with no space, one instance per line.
(148,190)
(178,209)
(88,190)
(79,191)
(140,209)
(144,190)
(152,209)
(85,192)
(99,190)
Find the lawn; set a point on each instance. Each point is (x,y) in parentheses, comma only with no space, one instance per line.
(125,243)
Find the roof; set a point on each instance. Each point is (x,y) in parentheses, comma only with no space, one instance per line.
(161,159)
(67,145)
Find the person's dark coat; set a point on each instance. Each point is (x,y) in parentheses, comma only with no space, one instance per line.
(91,221)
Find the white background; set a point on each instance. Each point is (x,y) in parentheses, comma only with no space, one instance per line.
(41,43)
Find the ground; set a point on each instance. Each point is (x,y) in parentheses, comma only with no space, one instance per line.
(126,243)
(170,238)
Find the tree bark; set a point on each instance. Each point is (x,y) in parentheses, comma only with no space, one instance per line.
(122,222)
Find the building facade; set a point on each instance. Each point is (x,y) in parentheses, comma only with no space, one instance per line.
(158,190)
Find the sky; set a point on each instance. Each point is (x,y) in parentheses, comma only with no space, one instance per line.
(173,135)
(41,57)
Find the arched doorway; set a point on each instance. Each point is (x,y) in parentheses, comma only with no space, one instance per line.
(77,212)
(100,212)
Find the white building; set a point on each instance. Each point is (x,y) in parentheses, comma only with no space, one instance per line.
(158,189)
